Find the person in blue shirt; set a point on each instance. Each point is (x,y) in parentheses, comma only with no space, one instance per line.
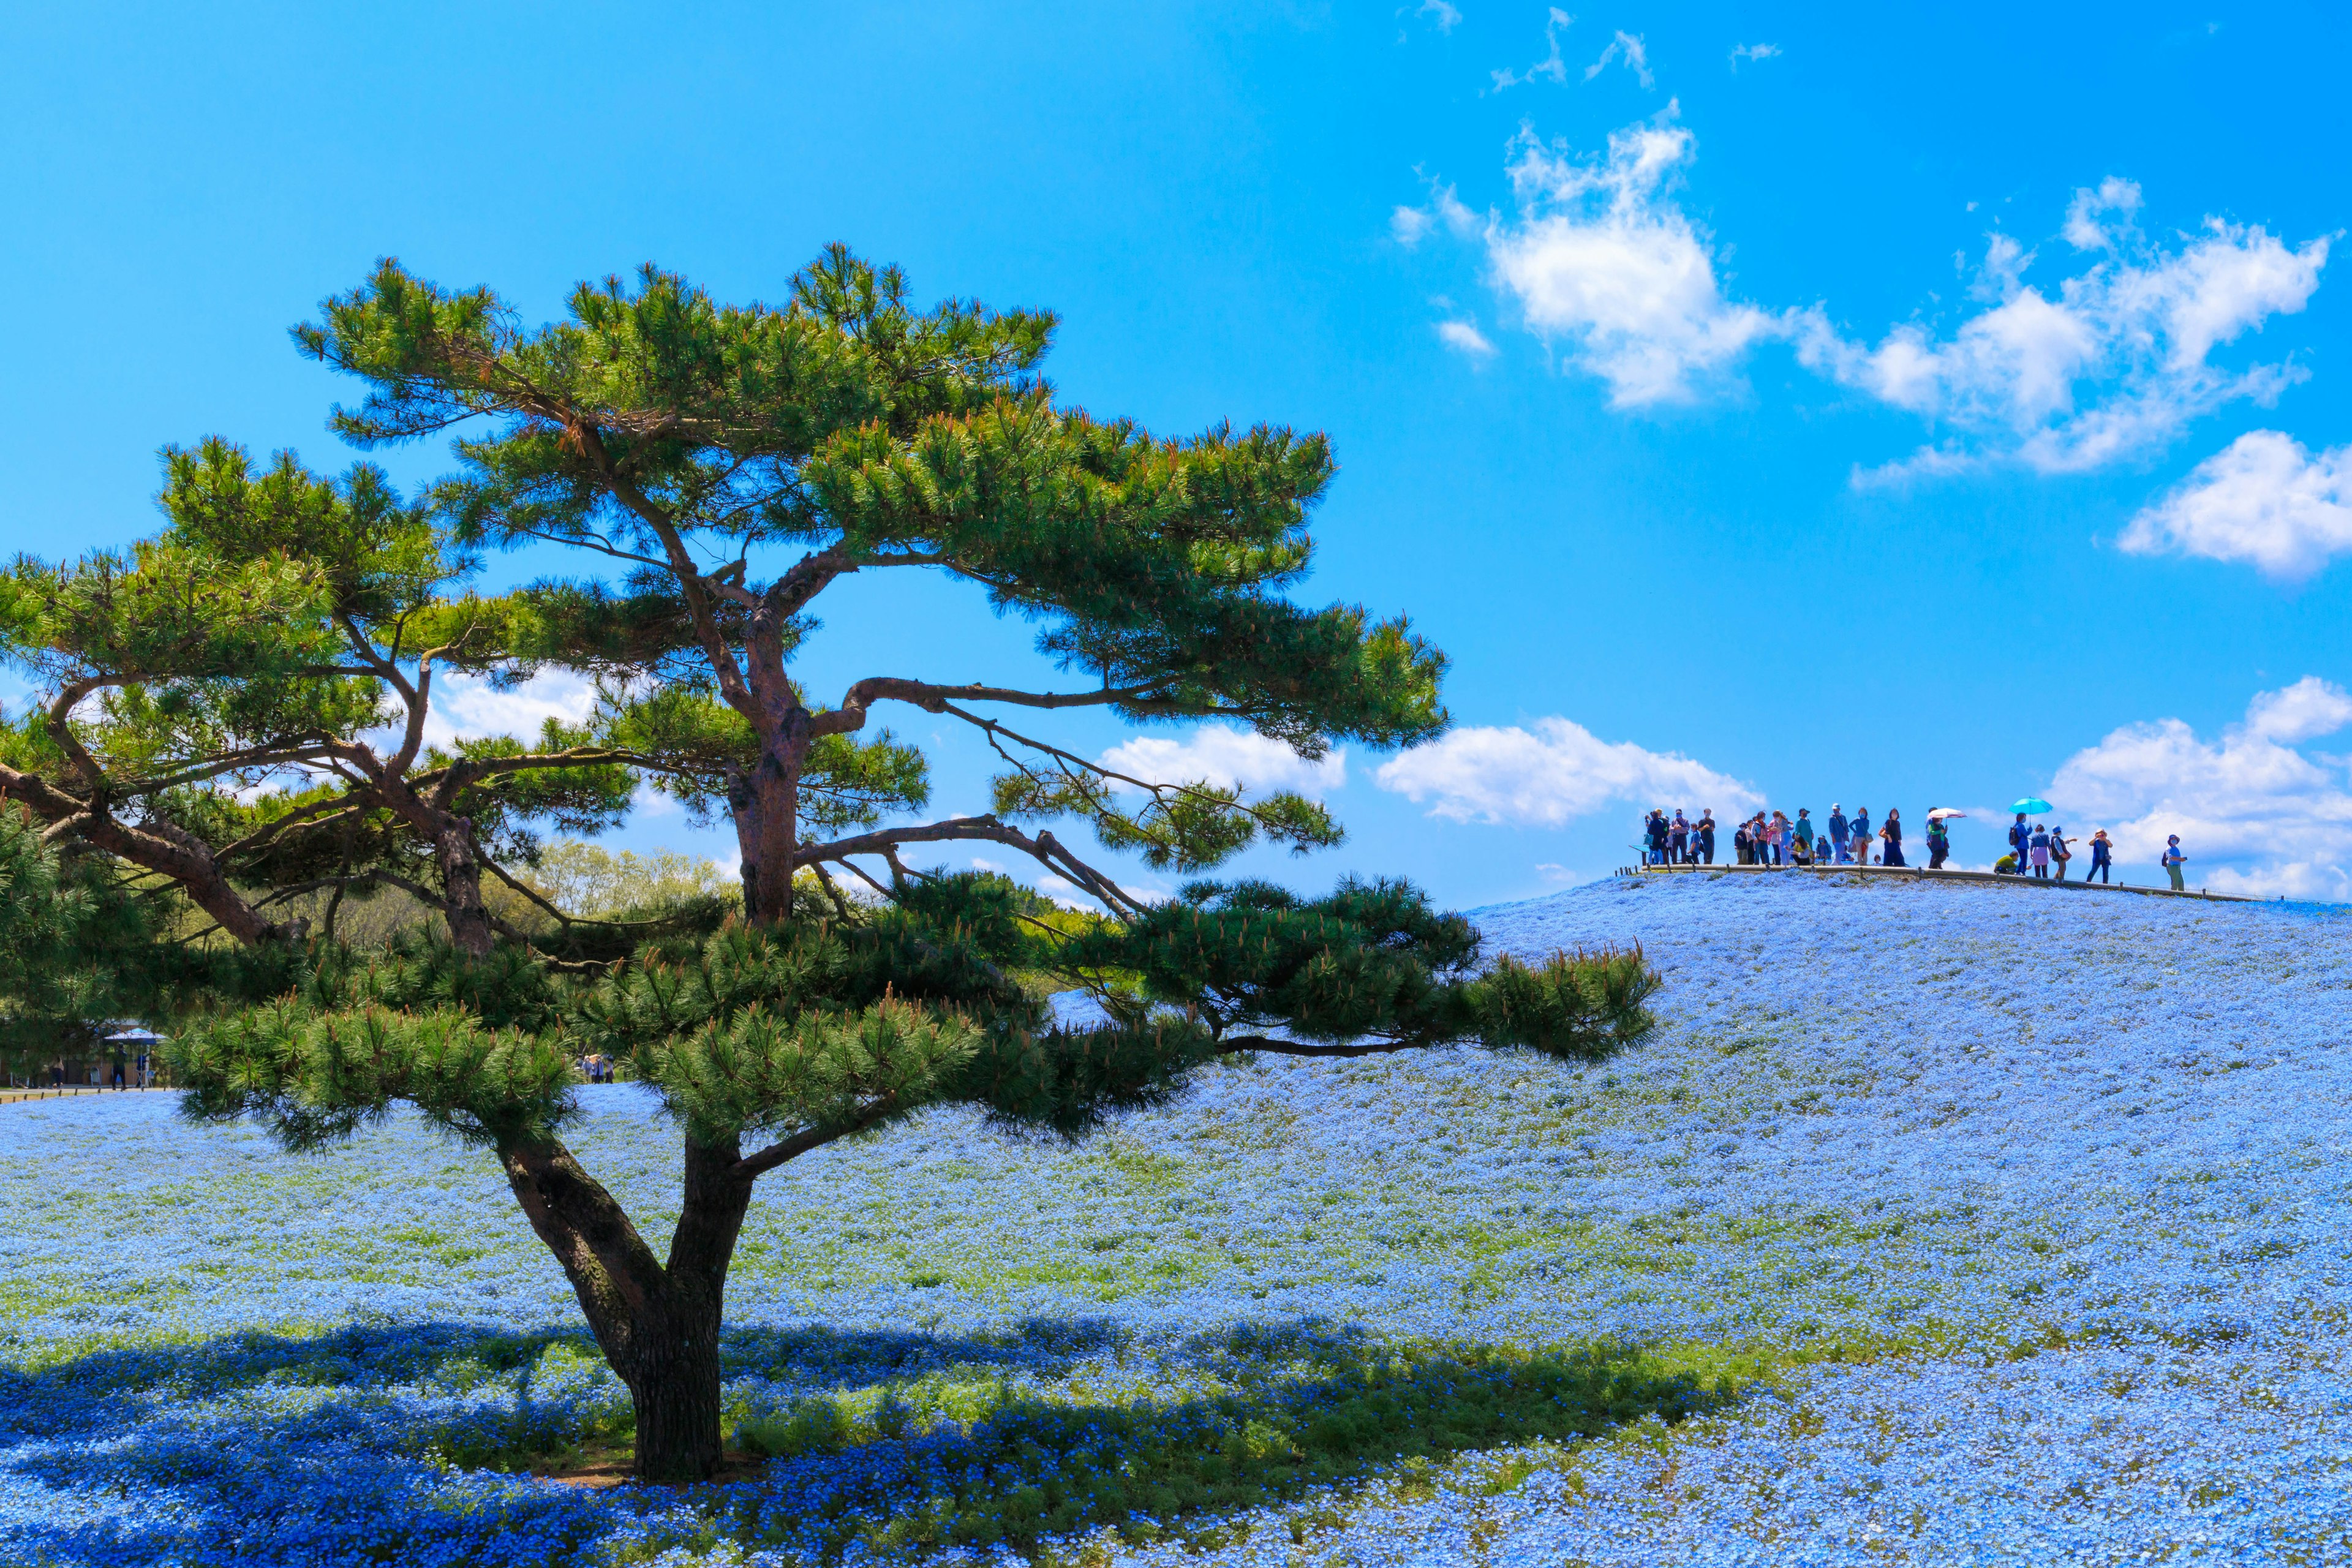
(1838,830)
(2021,840)
(2103,856)
(2172,860)
(1860,826)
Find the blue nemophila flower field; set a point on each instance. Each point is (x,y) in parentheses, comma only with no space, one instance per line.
(1936,1225)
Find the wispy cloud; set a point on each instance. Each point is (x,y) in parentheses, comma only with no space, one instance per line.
(1464,337)
(2263,499)
(1753,52)
(1444,16)
(1629,49)
(1551,65)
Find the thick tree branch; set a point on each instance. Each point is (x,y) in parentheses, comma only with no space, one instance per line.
(1238,1044)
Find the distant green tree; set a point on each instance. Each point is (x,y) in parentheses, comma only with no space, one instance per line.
(241,703)
(76,950)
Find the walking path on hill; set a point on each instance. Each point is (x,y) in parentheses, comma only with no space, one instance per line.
(1921,873)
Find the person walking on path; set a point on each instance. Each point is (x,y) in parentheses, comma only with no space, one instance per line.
(1892,836)
(2059,853)
(2172,861)
(2103,856)
(1939,842)
(1860,829)
(2037,845)
(1705,837)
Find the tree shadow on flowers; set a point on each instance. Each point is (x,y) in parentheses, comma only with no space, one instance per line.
(386,1442)
(1289,1410)
(364,1445)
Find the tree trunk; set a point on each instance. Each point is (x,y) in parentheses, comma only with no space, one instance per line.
(461,884)
(658,1326)
(773,822)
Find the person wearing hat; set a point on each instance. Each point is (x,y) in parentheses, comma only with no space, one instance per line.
(2103,856)
(2172,860)
(1838,831)
(1939,842)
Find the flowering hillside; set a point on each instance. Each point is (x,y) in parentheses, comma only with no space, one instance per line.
(1936,1225)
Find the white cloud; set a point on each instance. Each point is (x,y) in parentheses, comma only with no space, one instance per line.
(1551,65)
(1753,52)
(1229,756)
(1445,17)
(2263,499)
(1544,777)
(2113,365)
(2254,814)
(2107,364)
(1409,225)
(1601,257)
(2084,232)
(1629,49)
(470,707)
(1465,338)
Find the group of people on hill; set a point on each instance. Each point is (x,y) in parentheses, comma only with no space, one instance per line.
(1774,839)
(2044,852)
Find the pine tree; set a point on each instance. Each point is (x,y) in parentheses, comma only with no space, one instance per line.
(685,443)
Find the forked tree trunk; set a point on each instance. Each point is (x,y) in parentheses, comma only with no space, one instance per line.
(658,1324)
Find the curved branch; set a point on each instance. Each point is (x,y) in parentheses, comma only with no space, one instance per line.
(751,1167)
(851,715)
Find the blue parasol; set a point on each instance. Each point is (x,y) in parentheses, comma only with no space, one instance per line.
(2030,804)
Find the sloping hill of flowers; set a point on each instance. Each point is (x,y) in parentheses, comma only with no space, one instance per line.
(1937,1226)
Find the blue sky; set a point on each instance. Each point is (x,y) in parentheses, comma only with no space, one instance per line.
(1757,403)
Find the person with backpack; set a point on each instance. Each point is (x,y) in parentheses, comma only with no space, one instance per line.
(2021,838)
(2103,856)
(2172,862)
(2059,853)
